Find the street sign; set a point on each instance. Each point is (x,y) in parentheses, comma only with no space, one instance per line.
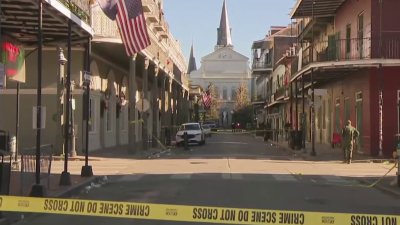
(43,117)
(142,105)
(86,75)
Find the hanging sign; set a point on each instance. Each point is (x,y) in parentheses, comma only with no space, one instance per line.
(13,58)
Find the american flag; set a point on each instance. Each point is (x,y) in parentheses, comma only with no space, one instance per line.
(132,26)
(206,99)
(131,23)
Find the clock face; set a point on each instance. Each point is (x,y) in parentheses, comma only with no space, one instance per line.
(223,55)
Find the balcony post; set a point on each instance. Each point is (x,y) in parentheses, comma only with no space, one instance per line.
(296,105)
(132,103)
(303,119)
(313,153)
(156,110)
(145,96)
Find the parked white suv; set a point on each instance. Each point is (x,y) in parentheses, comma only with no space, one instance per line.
(194,131)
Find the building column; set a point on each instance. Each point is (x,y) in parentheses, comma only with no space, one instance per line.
(156,109)
(186,106)
(132,104)
(145,96)
(169,110)
(174,106)
(163,113)
(179,111)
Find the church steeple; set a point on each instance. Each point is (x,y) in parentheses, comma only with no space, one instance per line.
(224,31)
(192,61)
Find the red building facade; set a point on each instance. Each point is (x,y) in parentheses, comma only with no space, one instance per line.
(344,50)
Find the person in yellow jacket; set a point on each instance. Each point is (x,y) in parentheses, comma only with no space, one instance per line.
(349,134)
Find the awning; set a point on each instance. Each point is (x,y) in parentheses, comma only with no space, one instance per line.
(336,69)
(305,8)
(19,20)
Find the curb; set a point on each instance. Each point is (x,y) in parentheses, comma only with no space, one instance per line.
(73,189)
(306,156)
(381,187)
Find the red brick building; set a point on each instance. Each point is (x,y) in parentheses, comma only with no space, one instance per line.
(349,50)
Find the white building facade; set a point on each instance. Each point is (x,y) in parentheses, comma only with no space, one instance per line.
(225,69)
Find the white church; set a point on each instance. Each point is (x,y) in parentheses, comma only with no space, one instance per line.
(225,68)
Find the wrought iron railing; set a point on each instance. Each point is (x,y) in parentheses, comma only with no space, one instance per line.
(102,25)
(262,65)
(352,49)
(79,7)
(280,92)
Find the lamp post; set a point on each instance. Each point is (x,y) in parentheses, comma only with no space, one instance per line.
(65,178)
(87,170)
(38,190)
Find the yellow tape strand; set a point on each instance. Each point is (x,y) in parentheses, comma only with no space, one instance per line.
(357,185)
(185,213)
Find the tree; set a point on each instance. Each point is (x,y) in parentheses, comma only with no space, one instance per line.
(213,112)
(242,97)
(243,110)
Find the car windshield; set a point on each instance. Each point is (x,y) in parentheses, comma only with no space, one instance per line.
(121,112)
(190,127)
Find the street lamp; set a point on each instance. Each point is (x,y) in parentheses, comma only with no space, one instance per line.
(65,178)
(87,170)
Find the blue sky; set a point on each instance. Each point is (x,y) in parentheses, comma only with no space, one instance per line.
(198,20)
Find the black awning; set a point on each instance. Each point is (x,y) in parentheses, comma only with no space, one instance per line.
(19,21)
(305,8)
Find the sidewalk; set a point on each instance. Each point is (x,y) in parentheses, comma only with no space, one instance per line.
(325,153)
(102,161)
(53,189)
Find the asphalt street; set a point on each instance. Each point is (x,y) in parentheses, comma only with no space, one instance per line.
(234,171)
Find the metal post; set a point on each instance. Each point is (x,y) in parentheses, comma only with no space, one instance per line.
(163,114)
(145,96)
(380,77)
(303,116)
(65,178)
(155,109)
(87,170)
(296,106)
(185,141)
(38,190)
(132,104)
(170,121)
(17,124)
(313,153)
(291,105)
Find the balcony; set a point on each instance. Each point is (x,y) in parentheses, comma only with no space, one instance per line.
(102,25)
(280,93)
(80,8)
(148,5)
(153,16)
(262,65)
(161,26)
(19,20)
(351,49)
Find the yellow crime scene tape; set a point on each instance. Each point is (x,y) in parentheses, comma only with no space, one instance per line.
(186,213)
(373,184)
